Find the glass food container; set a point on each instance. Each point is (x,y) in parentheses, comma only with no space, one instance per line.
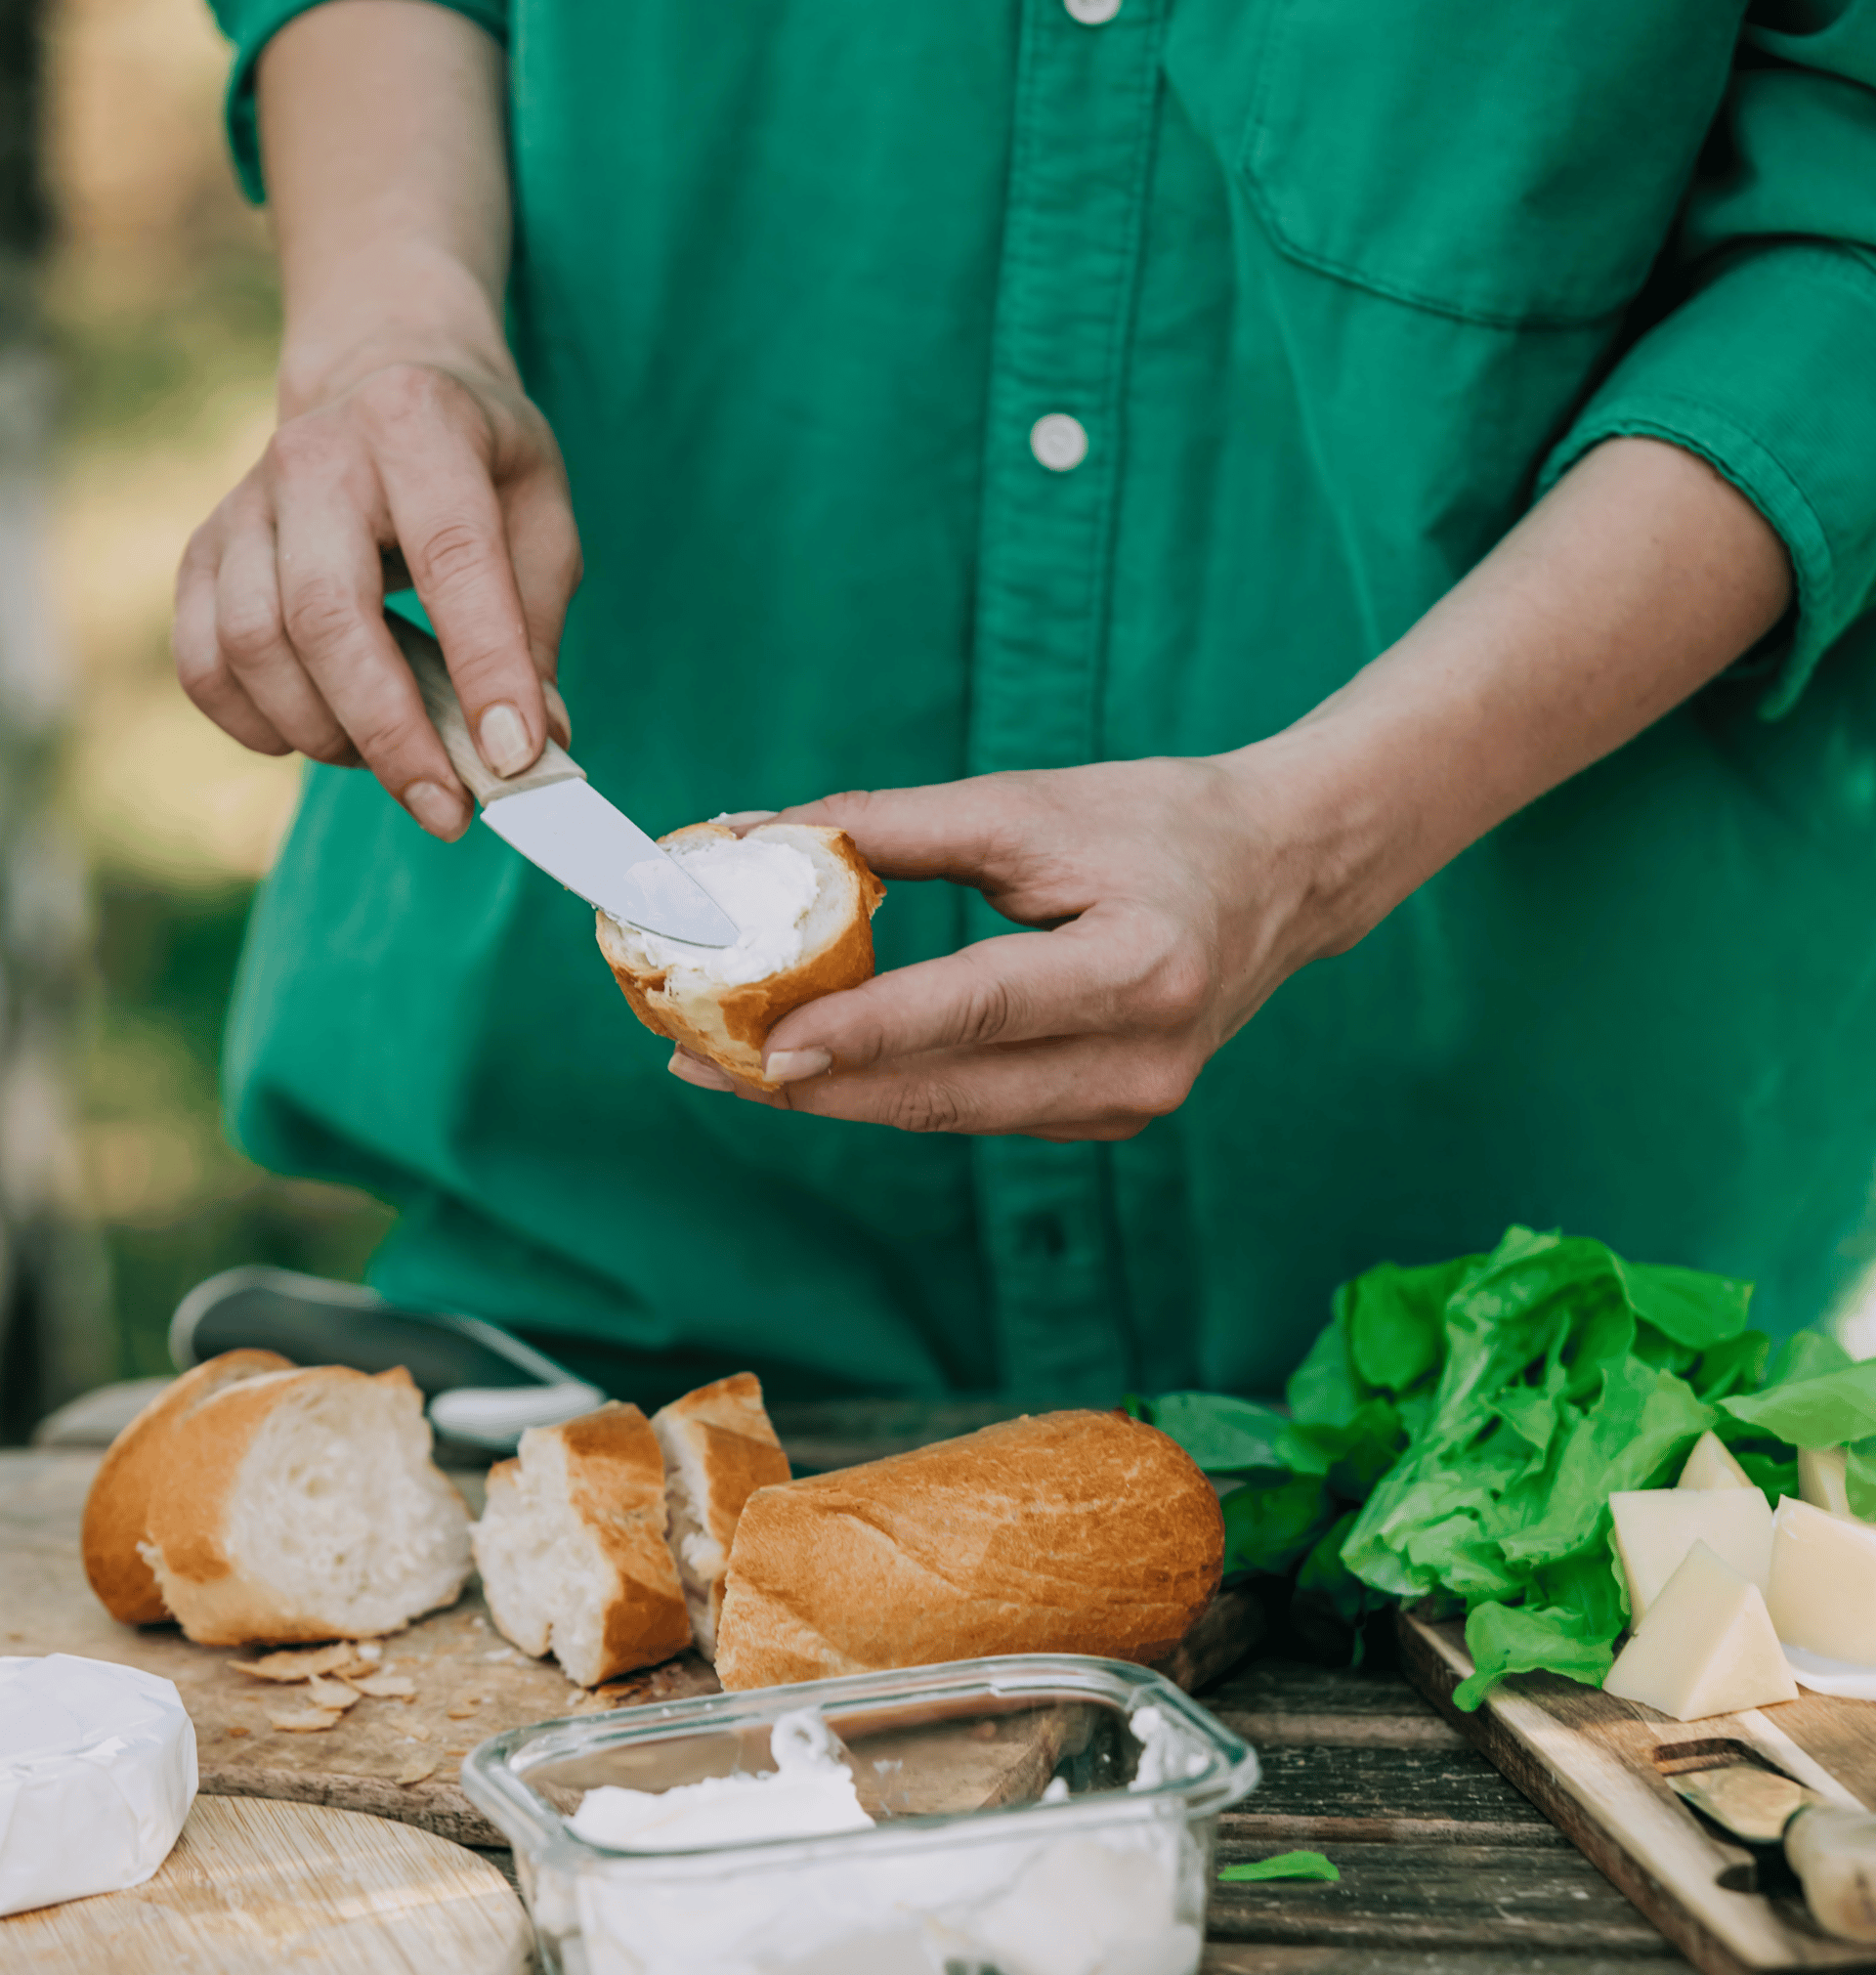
(1041,1814)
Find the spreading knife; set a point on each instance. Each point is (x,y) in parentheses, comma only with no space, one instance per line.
(559,821)
(1831,1848)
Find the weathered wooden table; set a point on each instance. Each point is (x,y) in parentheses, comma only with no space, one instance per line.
(1445,1868)
(1445,1865)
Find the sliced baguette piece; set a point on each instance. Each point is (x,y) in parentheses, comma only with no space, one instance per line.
(304,1505)
(718,1449)
(118,1507)
(682,994)
(1067,1532)
(572,1548)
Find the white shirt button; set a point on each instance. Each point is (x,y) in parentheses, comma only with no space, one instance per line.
(1092,12)
(1059,442)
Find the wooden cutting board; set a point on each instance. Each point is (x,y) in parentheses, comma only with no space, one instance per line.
(1593,1766)
(253,1886)
(393,1758)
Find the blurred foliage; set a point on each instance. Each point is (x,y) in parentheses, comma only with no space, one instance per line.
(159,301)
(176,1202)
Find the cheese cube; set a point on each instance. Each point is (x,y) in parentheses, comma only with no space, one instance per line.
(1822,1594)
(1711,1465)
(1823,1479)
(1656,1527)
(1706,1647)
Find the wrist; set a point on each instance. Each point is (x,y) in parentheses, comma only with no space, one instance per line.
(393,303)
(1343,824)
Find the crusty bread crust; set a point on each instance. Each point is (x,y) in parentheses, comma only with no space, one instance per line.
(192,1510)
(1067,1532)
(727,1026)
(725,1430)
(615,1476)
(118,1507)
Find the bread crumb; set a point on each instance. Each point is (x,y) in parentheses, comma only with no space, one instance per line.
(302,1720)
(418,1733)
(333,1694)
(293,1665)
(458,1752)
(239,1731)
(463,1709)
(415,1770)
(385,1685)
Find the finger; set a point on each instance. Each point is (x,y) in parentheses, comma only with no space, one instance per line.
(252,636)
(543,546)
(447,523)
(694,1071)
(967,831)
(1113,968)
(200,669)
(1078,1087)
(331,602)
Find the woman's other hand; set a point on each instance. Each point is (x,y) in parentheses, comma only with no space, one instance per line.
(1180,894)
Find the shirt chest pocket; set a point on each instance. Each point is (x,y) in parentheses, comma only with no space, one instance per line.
(1508,164)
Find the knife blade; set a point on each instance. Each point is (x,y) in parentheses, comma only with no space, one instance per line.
(559,821)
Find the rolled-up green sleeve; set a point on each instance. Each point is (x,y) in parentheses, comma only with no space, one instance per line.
(250,24)
(1767,369)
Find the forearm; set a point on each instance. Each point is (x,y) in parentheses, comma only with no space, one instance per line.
(382,135)
(1640,578)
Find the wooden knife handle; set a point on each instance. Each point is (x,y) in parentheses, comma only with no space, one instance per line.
(440,702)
(1834,1853)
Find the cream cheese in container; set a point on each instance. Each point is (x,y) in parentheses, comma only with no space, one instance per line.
(1035,1815)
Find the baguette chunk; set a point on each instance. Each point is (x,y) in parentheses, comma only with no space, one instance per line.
(719,1448)
(304,1505)
(572,1549)
(1068,1533)
(707,999)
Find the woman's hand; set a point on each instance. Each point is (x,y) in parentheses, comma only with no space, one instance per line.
(416,473)
(1178,893)
(1190,890)
(406,451)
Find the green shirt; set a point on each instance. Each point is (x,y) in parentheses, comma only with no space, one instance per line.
(1331,287)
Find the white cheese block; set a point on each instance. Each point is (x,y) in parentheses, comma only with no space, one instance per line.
(1824,1480)
(96,1774)
(1656,1527)
(1822,1592)
(1711,1465)
(1707,1646)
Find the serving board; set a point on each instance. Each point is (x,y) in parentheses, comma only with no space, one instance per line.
(1595,1766)
(251,1886)
(393,1758)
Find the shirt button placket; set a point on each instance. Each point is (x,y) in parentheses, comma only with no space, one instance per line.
(1081,157)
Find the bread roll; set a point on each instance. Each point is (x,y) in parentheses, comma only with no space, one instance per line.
(1068,1533)
(118,1508)
(572,1547)
(303,1505)
(804,898)
(719,1448)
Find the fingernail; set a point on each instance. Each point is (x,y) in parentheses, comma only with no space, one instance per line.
(503,740)
(440,811)
(791,1066)
(558,720)
(705,1076)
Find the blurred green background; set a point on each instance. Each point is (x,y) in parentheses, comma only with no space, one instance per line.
(160,300)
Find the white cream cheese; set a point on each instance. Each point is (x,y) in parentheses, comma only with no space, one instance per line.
(768,888)
(808,1794)
(1124,1896)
